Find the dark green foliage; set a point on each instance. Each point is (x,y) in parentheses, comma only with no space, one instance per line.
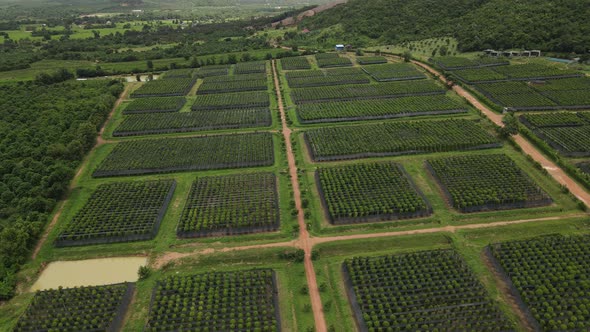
(552,276)
(216,301)
(339,76)
(155,104)
(378,108)
(294,63)
(486,182)
(369,192)
(255,99)
(394,72)
(371,60)
(77,309)
(373,91)
(567,132)
(44,133)
(119,212)
(499,24)
(395,138)
(250,67)
(145,124)
(183,154)
(237,83)
(422,291)
(231,204)
(165,87)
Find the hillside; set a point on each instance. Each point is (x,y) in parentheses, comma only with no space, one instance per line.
(560,26)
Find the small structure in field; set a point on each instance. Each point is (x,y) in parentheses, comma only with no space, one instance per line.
(339,47)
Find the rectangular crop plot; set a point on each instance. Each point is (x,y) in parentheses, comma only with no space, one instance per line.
(165,88)
(373,91)
(209,71)
(295,63)
(394,72)
(255,99)
(216,301)
(176,73)
(371,60)
(567,132)
(232,84)
(155,105)
(327,60)
(397,138)
(341,76)
(378,109)
(486,182)
(454,62)
(250,67)
(516,95)
(531,71)
(422,291)
(146,124)
(479,75)
(188,154)
(119,212)
(230,205)
(97,308)
(369,192)
(552,276)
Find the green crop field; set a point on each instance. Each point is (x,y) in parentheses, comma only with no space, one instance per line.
(363,141)
(365,192)
(550,274)
(261,181)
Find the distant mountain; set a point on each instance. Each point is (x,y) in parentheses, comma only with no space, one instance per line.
(549,25)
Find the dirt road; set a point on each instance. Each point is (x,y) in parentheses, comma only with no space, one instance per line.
(304,239)
(555,171)
(99,141)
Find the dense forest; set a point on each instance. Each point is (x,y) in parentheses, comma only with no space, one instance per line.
(46,130)
(559,26)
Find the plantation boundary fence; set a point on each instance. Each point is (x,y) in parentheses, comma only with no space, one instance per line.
(227,107)
(513,292)
(228,90)
(356,308)
(60,243)
(429,93)
(379,117)
(376,218)
(119,319)
(488,206)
